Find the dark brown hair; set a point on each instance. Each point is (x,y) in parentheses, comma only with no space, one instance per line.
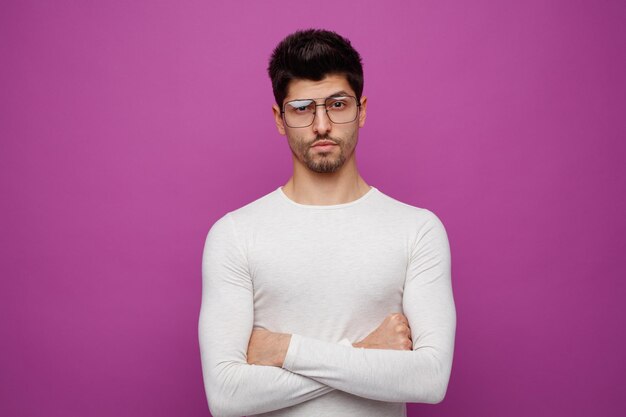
(312,55)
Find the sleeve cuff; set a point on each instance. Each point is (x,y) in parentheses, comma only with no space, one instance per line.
(292,352)
(345,342)
(294,347)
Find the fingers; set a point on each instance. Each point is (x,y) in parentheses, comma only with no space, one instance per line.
(400,318)
(403,330)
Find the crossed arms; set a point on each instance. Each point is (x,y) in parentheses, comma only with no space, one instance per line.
(312,367)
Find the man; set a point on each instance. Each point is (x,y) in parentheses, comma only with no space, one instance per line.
(324,297)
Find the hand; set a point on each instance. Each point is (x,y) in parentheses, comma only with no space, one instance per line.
(393,333)
(267,348)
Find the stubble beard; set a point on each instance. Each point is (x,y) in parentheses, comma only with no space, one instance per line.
(322,162)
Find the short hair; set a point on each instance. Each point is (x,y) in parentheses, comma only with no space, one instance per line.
(313,54)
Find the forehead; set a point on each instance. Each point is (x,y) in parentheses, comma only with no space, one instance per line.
(300,88)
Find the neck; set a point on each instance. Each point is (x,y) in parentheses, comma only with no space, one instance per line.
(322,189)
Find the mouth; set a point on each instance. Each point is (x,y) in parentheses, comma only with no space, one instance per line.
(323,144)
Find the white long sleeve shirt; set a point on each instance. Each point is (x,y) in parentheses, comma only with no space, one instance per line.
(327,275)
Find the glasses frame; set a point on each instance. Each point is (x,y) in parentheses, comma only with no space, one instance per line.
(358,110)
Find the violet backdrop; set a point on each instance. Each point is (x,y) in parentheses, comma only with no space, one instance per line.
(128,127)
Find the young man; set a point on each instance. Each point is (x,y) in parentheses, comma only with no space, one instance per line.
(325,296)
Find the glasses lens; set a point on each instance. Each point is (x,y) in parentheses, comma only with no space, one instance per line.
(299,113)
(341,109)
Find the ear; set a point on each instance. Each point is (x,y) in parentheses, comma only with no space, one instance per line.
(278,118)
(363,112)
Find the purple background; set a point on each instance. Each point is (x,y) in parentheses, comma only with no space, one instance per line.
(128,127)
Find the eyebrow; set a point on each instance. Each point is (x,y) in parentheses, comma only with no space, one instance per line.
(337,94)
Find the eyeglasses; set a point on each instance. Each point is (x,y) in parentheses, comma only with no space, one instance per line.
(340,109)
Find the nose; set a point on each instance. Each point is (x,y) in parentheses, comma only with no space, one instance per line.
(321,124)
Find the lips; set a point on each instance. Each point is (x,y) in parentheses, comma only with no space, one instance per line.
(323,143)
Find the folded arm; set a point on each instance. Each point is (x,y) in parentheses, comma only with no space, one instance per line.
(234,387)
(417,375)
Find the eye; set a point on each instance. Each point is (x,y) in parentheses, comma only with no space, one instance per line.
(338,103)
(299,106)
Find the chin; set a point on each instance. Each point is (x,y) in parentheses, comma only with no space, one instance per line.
(326,168)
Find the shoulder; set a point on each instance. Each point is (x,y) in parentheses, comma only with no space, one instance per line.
(257,212)
(254,212)
(414,215)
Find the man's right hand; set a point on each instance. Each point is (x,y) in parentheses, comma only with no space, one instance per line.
(393,333)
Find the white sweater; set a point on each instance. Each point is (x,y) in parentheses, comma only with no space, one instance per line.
(327,275)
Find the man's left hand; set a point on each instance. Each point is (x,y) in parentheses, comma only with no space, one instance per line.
(267,348)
